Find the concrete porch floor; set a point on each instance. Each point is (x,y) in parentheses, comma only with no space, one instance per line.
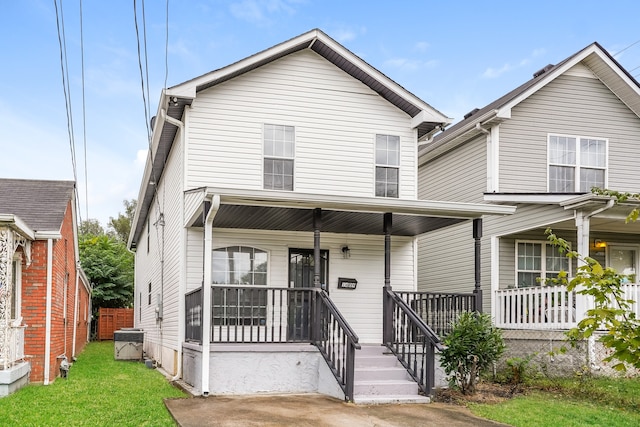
(313,410)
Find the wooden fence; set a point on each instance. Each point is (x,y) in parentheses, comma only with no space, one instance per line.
(112,319)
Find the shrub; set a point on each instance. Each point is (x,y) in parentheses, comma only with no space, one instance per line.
(473,345)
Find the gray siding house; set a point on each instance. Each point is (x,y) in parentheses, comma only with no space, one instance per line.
(542,147)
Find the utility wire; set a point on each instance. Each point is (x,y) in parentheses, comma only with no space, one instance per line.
(631,45)
(84,120)
(65,85)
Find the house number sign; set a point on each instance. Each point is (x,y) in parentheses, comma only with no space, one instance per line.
(345,283)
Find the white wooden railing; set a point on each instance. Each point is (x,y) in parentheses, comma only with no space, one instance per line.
(14,342)
(548,307)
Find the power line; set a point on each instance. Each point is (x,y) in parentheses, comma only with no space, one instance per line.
(65,86)
(84,119)
(631,45)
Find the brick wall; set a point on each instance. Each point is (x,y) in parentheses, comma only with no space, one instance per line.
(34,293)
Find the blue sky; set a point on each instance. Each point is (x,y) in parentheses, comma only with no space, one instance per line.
(455,55)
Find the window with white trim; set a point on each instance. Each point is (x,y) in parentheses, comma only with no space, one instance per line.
(16,288)
(241,266)
(537,261)
(576,164)
(387,165)
(279,153)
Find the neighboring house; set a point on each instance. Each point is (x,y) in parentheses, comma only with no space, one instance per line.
(44,295)
(542,147)
(284,174)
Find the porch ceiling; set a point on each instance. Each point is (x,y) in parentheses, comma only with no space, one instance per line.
(293,219)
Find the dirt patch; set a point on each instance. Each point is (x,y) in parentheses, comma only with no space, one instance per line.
(486,392)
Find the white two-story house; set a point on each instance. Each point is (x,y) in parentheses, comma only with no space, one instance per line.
(279,208)
(542,147)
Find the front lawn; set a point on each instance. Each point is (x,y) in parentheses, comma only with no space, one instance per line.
(99,391)
(570,402)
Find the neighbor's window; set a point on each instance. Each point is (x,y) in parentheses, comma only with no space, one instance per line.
(240,266)
(576,164)
(279,152)
(387,165)
(537,261)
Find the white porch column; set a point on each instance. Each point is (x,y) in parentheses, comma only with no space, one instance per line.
(583,222)
(47,324)
(206,292)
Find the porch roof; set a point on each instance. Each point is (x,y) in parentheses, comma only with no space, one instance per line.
(278,210)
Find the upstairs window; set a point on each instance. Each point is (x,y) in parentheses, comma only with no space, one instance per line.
(576,164)
(537,261)
(279,152)
(387,165)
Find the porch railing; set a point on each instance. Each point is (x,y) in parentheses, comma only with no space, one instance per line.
(249,314)
(549,307)
(439,310)
(13,343)
(410,339)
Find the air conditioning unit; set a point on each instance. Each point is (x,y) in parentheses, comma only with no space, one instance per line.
(128,344)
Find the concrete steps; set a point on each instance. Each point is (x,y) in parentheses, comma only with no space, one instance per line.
(379,378)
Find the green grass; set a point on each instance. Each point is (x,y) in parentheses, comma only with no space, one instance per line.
(99,391)
(607,402)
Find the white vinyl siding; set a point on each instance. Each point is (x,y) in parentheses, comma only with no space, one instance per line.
(361,307)
(165,233)
(335,117)
(569,105)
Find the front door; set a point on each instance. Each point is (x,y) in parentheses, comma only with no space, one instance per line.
(301,272)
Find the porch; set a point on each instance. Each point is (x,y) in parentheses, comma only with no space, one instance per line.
(301,333)
(548,307)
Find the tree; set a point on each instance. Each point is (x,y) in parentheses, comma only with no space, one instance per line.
(109,266)
(121,226)
(90,227)
(611,312)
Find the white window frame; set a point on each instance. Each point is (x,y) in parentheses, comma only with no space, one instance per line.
(545,245)
(16,266)
(386,165)
(272,156)
(623,246)
(578,166)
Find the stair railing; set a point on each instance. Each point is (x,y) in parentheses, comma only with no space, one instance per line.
(411,340)
(337,343)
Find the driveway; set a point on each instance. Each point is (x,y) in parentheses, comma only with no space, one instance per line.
(314,410)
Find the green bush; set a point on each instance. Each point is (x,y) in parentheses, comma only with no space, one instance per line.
(473,345)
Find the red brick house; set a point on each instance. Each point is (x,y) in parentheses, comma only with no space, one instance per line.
(44,295)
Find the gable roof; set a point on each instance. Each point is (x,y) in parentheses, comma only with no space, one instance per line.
(40,204)
(594,57)
(424,118)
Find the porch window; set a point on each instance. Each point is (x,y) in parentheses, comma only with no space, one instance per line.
(241,267)
(279,153)
(16,287)
(387,165)
(576,164)
(537,261)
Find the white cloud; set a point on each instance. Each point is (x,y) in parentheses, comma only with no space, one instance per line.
(406,64)
(492,73)
(421,46)
(260,11)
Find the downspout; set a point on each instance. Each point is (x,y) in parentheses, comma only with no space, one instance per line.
(47,332)
(206,291)
(75,314)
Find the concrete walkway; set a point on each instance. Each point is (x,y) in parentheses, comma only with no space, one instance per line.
(314,410)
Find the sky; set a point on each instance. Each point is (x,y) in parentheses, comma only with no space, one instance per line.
(455,55)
